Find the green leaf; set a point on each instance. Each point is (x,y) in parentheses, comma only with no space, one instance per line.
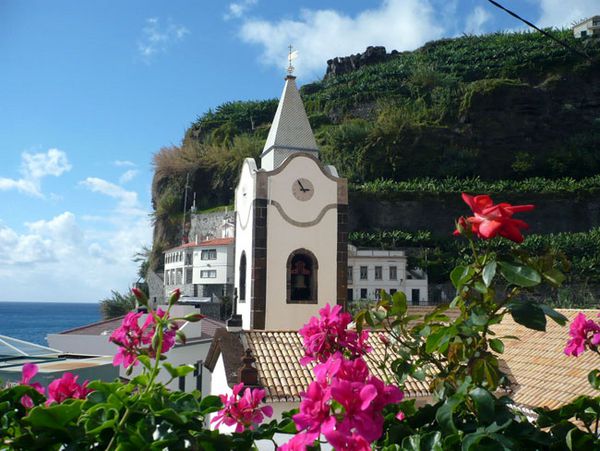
(556,316)
(528,314)
(497,345)
(485,370)
(554,276)
(479,317)
(522,276)
(210,404)
(594,379)
(484,403)
(461,275)
(56,416)
(489,271)
(178,371)
(399,304)
(444,415)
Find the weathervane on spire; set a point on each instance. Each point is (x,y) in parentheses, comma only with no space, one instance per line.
(292,55)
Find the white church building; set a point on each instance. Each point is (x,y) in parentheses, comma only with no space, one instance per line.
(291,215)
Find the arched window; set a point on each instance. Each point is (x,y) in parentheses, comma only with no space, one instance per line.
(242,285)
(302,269)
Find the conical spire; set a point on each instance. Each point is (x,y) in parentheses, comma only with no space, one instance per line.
(290,131)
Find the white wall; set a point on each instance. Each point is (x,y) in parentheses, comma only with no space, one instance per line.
(223,265)
(376,258)
(82,344)
(245,194)
(283,238)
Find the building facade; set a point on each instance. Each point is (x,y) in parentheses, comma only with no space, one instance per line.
(370,271)
(290,238)
(200,270)
(589,27)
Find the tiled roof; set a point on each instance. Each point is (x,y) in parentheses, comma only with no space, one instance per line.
(290,127)
(278,355)
(542,374)
(207,243)
(96,328)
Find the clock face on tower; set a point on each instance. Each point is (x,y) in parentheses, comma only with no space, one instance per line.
(303,189)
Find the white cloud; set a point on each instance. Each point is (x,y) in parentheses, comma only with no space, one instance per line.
(238,9)
(62,259)
(395,24)
(128,176)
(561,13)
(128,200)
(34,167)
(476,20)
(157,39)
(122,163)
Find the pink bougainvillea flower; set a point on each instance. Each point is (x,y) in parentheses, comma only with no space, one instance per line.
(329,333)
(491,220)
(583,332)
(28,372)
(134,339)
(66,388)
(243,412)
(344,403)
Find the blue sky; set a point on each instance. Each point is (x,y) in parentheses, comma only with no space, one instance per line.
(89,91)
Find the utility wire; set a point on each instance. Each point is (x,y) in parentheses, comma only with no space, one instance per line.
(545,33)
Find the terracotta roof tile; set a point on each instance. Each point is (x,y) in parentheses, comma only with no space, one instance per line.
(278,356)
(541,373)
(207,243)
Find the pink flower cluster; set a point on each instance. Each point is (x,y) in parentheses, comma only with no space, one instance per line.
(345,404)
(584,332)
(329,334)
(243,411)
(59,389)
(134,339)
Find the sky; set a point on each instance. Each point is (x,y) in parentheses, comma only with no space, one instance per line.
(90,90)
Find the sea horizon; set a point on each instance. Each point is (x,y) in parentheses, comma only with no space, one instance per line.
(32,321)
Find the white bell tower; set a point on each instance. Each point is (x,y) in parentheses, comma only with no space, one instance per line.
(291,218)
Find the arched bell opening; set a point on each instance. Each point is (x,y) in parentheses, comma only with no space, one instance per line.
(302,276)
(242,280)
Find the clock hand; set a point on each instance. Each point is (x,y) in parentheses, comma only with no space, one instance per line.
(301,187)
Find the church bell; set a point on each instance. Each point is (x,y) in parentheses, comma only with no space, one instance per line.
(299,281)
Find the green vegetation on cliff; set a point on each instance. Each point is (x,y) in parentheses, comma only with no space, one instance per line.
(456,112)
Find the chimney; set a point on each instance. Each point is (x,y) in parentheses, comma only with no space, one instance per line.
(247,374)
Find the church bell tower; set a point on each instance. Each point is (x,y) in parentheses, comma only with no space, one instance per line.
(291,220)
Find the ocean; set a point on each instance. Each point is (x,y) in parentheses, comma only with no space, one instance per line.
(32,321)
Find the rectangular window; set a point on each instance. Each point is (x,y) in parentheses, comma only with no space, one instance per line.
(208,254)
(179,276)
(188,258)
(414,296)
(188,275)
(393,273)
(363,293)
(210,274)
(350,294)
(392,291)
(378,272)
(350,274)
(363,273)
(583,34)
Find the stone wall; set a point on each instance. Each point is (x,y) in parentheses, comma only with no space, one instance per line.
(437,213)
(207,226)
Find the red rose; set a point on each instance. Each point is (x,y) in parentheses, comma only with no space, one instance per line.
(492,220)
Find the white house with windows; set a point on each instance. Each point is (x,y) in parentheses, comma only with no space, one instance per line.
(589,27)
(373,270)
(200,270)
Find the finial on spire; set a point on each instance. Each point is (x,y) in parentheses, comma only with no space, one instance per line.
(291,56)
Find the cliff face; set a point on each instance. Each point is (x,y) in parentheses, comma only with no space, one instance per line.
(503,106)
